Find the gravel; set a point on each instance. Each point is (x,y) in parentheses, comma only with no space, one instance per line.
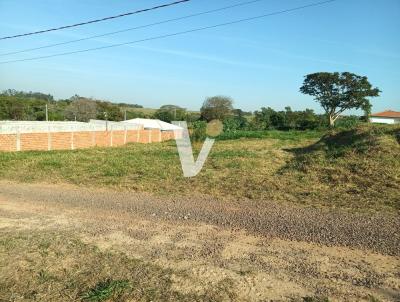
(378,232)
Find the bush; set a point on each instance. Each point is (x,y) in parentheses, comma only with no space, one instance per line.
(348,122)
(198,130)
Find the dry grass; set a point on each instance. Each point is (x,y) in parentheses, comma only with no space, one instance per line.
(55,266)
(357,169)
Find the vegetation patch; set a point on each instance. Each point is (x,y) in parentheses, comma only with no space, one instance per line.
(358,164)
(57,266)
(105,290)
(352,169)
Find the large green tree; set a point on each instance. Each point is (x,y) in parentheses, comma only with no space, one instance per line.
(216,108)
(337,92)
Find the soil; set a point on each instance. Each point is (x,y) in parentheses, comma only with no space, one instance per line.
(270,251)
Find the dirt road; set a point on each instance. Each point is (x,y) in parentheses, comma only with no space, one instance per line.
(268,250)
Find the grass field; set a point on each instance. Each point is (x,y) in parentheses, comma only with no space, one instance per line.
(353,169)
(72,268)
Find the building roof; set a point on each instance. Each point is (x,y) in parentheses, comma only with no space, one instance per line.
(387,113)
(153,124)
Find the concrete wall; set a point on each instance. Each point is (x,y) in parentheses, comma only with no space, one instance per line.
(385,120)
(47,136)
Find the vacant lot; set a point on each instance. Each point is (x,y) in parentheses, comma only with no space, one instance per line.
(283,217)
(355,169)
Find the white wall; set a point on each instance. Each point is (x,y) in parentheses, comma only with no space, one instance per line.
(385,120)
(11,127)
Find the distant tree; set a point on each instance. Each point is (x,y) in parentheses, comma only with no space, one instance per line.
(198,131)
(192,117)
(263,118)
(81,109)
(169,113)
(109,111)
(236,121)
(217,107)
(135,114)
(337,92)
(129,105)
(28,95)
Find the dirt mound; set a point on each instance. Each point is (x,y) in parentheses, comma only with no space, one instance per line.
(360,165)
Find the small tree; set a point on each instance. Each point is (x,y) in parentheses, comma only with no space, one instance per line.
(83,109)
(216,108)
(169,113)
(337,92)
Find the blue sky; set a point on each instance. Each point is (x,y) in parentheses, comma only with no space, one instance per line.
(258,63)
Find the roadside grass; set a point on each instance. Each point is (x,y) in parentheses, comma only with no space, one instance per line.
(67,269)
(355,169)
(272,134)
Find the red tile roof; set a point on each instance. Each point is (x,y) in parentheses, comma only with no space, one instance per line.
(387,113)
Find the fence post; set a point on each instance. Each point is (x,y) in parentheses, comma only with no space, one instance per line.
(150,131)
(48,138)
(125,136)
(111,136)
(18,139)
(159,136)
(72,138)
(93,136)
(138,135)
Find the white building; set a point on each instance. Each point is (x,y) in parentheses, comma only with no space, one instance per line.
(153,124)
(385,117)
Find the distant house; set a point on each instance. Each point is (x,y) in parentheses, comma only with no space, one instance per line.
(385,117)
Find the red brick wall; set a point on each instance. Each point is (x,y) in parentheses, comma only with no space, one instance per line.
(80,139)
(33,141)
(8,142)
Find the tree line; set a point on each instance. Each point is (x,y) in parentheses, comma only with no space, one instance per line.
(335,92)
(31,106)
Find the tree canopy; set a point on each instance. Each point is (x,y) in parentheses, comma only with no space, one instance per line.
(216,108)
(169,113)
(337,92)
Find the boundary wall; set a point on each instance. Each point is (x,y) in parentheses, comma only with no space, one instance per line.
(23,136)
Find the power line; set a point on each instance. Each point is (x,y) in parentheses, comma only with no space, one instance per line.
(96,20)
(176,33)
(133,28)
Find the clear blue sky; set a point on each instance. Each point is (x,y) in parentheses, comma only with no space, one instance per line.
(258,63)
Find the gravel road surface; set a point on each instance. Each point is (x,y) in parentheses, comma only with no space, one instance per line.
(268,251)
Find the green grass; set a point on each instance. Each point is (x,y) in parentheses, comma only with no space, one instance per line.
(104,290)
(272,134)
(352,169)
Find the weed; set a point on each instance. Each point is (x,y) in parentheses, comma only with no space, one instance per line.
(105,290)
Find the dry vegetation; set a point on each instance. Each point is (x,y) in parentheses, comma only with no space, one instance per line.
(57,266)
(355,169)
(66,243)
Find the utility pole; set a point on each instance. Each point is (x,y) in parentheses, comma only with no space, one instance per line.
(47,113)
(125,115)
